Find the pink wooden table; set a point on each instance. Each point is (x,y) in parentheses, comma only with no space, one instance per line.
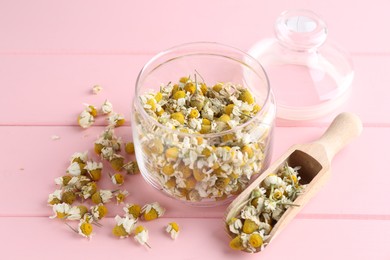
(53,52)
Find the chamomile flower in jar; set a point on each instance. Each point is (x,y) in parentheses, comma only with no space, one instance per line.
(202,136)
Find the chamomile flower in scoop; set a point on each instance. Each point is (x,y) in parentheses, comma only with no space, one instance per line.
(152,211)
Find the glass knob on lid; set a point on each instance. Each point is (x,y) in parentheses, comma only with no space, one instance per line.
(309,75)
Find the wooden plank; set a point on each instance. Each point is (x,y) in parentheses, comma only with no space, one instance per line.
(199,239)
(355,181)
(74,26)
(66,82)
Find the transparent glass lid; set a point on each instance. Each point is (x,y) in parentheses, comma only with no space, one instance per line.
(309,75)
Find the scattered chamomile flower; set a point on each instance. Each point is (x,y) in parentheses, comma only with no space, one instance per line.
(124,226)
(74,169)
(99,211)
(66,181)
(141,235)
(69,196)
(61,210)
(96,89)
(131,167)
(89,189)
(85,229)
(117,162)
(152,211)
(77,212)
(94,170)
(133,210)
(121,196)
(85,119)
(116,120)
(106,107)
(91,109)
(173,230)
(129,148)
(80,157)
(117,179)
(102,196)
(55,197)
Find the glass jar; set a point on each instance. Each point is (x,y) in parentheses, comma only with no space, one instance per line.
(310,75)
(206,169)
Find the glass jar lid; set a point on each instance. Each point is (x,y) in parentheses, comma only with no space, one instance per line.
(309,75)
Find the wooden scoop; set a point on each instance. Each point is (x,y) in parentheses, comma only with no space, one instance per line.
(314,159)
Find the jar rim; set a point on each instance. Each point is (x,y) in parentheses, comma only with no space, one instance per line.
(202,48)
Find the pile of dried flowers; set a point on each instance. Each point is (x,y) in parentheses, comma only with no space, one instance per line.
(264,208)
(189,165)
(78,196)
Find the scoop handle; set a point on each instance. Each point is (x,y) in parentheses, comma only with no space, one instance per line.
(344,128)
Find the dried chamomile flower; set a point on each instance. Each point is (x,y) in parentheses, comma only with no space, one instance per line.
(102,196)
(124,226)
(129,148)
(85,119)
(55,197)
(89,189)
(116,120)
(120,196)
(141,235)
(235,225)
(66,181)
(131,167)
(77,212)
(96,89)
(152,211)
(61,210)
(117,179)
(173,230)
(74,169)
(94,170)
(80,157)
(117,162)
(99,211)
(106,107)
(133,210)
(69,196)
(85,229)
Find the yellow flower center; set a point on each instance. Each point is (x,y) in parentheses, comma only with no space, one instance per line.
(235,243)
(178,116)
(119,179)
(179,94)
(172,153)
(117,163)
(102,211)
(168,169)
(135,210)
(95,174)
(138,230)
(152,214)
(86,228)
(255,240)
(174,226)
(249,226)
(129,148)
(119,231)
